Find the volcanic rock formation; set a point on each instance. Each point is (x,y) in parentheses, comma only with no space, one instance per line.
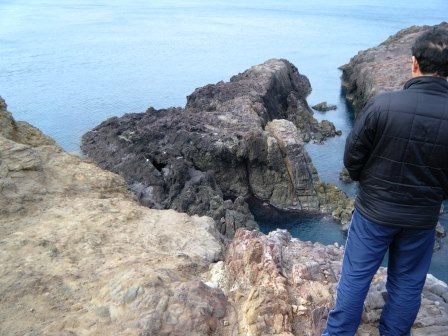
(236,139)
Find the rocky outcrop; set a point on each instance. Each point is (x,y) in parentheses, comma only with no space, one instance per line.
(20,131)
(383,68)
(279,285)
(80,256)
(233,139)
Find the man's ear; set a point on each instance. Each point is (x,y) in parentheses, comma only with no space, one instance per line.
(415,67)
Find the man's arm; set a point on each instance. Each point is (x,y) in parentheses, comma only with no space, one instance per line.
(359,143)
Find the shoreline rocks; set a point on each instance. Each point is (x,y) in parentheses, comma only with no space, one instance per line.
(386,67)
(232,140)
(80,256)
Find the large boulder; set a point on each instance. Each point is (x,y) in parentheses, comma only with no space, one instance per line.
(383,68)
(233,139)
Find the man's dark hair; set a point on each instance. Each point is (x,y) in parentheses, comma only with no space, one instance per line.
(431,51)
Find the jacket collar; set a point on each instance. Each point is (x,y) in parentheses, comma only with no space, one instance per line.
(431,83)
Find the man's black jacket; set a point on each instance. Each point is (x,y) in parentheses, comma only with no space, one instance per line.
(398,151)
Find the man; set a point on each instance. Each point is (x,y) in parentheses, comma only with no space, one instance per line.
(398,151)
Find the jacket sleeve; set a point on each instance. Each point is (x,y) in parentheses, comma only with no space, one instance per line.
(359,143)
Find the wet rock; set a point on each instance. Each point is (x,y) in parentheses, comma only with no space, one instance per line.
(324,107)
(311,129)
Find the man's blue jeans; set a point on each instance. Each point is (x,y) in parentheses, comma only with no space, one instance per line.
(410,252)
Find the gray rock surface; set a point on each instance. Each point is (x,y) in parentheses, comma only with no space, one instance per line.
(324,107)
(236,139)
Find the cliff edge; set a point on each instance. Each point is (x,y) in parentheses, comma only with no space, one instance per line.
(80,256)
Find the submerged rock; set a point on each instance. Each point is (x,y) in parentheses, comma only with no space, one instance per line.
(324,107)
(236,139)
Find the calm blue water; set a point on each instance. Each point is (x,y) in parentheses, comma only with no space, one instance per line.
(66,65)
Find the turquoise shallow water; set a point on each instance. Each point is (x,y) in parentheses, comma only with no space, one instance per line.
(67,65)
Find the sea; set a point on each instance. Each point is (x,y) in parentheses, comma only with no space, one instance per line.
(67,65)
